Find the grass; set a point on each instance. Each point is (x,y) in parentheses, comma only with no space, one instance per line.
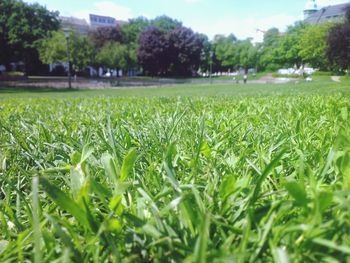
(177,174)
(321,85)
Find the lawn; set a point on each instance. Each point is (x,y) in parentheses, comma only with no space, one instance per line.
(224,173)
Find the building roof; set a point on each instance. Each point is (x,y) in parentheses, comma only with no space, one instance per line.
(100,16)
(328,13)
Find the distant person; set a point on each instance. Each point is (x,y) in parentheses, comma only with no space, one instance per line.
(245,78)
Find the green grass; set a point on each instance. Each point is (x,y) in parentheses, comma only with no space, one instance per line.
(320,86)
(250,173)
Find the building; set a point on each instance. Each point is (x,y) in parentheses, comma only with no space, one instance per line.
(333,13)
(76,24)
(310,8)
(103,21)
(95,21)
(82,27)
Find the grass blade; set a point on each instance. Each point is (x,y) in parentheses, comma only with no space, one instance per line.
(64,202)
(36,220)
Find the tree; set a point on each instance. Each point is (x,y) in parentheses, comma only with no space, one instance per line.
(54,49)
(21,25)
(313,45)
(165,23)
(226,52)
(184,51)
(290,45)
(103,35)
(152,52)
(248,54)
(338,50)
(281,50)
(269,58)
(114,56)
(132,29)
(205,57)
(177,52)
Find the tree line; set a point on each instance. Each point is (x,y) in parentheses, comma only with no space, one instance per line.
(163,46)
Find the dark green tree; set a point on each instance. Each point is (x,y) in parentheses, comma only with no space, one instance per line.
(184,52)
(21,25)
(152,52)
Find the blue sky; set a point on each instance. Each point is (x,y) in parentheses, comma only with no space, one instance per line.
(241,17)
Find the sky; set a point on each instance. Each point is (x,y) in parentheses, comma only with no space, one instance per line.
(240,17)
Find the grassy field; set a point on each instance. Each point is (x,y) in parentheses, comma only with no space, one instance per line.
(246,173)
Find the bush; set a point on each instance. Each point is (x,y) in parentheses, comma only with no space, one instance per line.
(322,73)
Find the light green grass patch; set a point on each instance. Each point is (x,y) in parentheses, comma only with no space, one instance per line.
(249,174)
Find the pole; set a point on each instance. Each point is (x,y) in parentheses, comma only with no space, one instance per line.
(211,66)
(211,70)
(68,57)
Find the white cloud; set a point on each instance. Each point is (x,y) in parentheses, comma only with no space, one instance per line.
(323,3)
(106,8)
(244,28)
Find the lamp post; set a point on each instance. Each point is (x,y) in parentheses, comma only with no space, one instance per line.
(67,32)
(211,66)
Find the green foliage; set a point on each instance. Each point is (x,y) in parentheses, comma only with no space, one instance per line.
(226,51)
(21,25)
(302,44)
(232,53)
(269,57)
(313,45)
(113,55)
(323,73)
(54,49)
(281,49)
(134,28)
(248,54)
(176,179)
(165,23)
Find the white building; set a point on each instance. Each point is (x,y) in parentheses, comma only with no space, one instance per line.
(103,21)
(83,27)
(76,24)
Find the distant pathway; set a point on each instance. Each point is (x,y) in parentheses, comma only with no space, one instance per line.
(335,78)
